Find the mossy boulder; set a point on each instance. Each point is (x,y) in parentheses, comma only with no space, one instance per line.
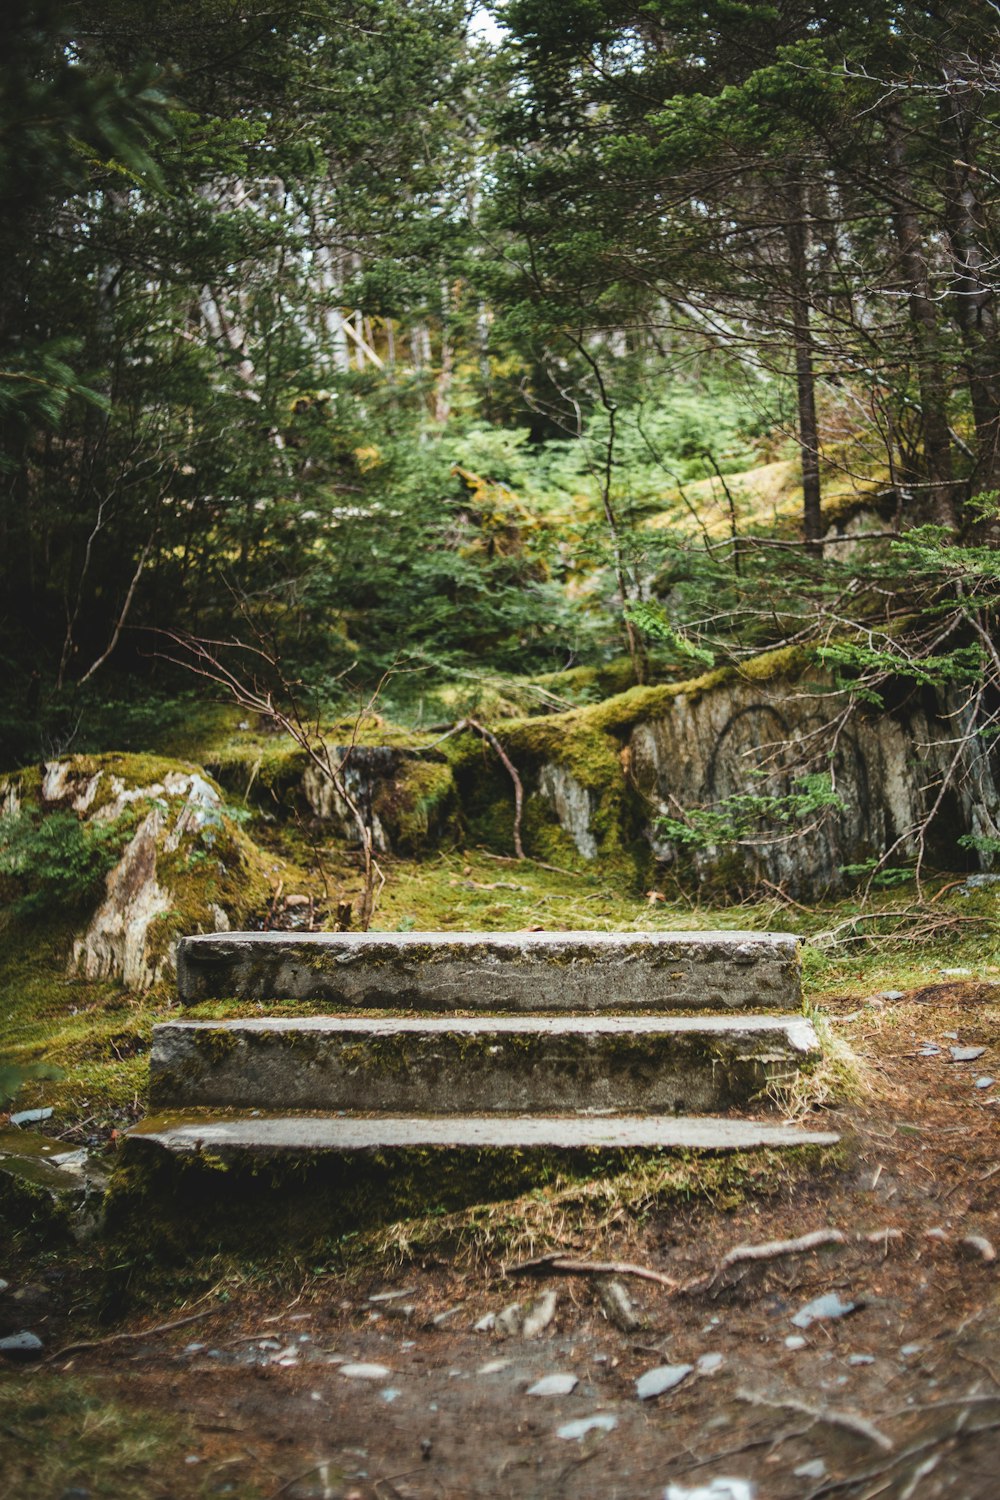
(176,859)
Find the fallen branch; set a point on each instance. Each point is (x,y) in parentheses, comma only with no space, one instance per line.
(566,1266)
(491,739)
(774,1249)
(771,1250)
(851,1421)
(119,1338)
(960,1430)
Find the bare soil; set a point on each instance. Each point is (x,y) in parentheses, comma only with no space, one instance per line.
(899,1398)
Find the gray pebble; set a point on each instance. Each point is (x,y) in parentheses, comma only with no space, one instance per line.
(31,1116)
(861,1359)
(21,1346)
(662,1379)
(509,1321)
(365,1372)
(985,1083)
(814,1469)
(966,1054)
(601,1422)
(539,1315)
(820,1308)
(554,1385)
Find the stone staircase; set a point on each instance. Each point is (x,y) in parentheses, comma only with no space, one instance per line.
(430,1070)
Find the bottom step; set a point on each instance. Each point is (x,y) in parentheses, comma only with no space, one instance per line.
(190,1184)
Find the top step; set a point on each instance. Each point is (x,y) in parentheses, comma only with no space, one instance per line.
(496,971)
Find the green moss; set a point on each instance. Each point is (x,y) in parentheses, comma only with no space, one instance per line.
(64,1434)
(418,806)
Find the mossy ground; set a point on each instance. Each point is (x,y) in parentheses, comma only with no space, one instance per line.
(62,1433)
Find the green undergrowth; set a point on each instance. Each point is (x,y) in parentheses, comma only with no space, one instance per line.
(596,1209)
(90,1036)
(63,1433)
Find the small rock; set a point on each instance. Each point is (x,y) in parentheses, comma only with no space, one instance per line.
(891,995)
(966,1054)
(707,1364)
(3,1286)
(365,1372)
(657,1382)
(814,1469)
(985,1083)
(718,1489)
(486,1324)
(617,1304)
(440,1319)
(553,1385)
(822,1308)
(31,1116)
(407,1291)
(956,973)
(929,1050)
(508,1322)
(539,1315)
(600,1422)
(493,1367)
(21,1346)
(908,1350)
(883,1236)
(937,1233)
(390,1393)
(861,1359)
(795,1341)
(978,1247)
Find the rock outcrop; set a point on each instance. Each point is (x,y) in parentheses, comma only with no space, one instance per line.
(182,864)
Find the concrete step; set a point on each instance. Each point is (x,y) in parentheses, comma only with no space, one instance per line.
(254,1181)
(504,971)
(455,1065)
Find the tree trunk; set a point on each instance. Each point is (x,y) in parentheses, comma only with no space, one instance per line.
(797,236)
(926,335)
(972,296)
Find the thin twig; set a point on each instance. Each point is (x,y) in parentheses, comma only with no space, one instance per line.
(851,1421)
(119,1338)
(567,1266)
(511,769)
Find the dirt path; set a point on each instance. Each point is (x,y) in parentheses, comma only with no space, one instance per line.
(899,1397)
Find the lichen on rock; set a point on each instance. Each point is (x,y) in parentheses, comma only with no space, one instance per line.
(183,864)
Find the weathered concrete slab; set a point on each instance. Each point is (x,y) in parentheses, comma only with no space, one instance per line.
(48,1189)
(523,1064)
(258,1184)
(220,1135)
(509,971)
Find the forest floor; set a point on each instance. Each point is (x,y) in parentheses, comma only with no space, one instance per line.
(251,1393)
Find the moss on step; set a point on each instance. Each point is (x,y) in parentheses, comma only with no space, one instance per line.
(160,1204)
